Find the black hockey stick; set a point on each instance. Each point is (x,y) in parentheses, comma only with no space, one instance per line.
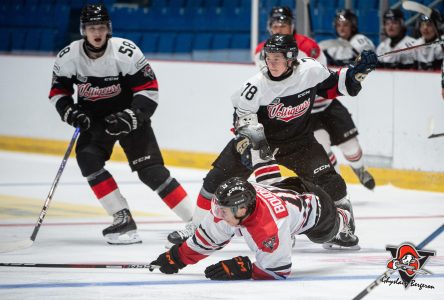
(82,266)
(387,273)
(411,48)
(435,135)
(17,245)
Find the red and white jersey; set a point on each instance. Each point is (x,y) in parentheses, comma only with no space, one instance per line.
(399,60)
(279,215)
(347,51)
(283,107)
(430,57)
(107,84)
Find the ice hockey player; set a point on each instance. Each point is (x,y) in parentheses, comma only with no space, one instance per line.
(430,30)
(331,121)
(267,217)
(395,31)
(117,95)
(273,109)
(281,21)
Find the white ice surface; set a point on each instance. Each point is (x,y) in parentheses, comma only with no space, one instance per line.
(387,216)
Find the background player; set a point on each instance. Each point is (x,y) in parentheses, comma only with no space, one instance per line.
(117,95)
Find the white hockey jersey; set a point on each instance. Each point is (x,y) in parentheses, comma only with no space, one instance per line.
(279,215)
(284,106)
(399,60)
(347,51)
(106,84)
(430,57)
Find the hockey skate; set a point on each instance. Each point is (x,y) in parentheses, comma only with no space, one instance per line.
(123,231)
(365,178)
(179,236)
(345,239)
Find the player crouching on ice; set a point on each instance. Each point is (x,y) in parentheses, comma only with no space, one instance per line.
(268,217)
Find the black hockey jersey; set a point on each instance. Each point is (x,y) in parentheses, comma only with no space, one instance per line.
(284,107)
(107,84)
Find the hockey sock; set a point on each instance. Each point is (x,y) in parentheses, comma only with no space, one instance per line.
(107,192)
(176,198)
(334,161)
(265,171)
(203,206)
(353,153)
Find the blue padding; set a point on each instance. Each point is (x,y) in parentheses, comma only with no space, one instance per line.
(32,39)
(47,41)
(150,42)
(18,39)
(240,41)
(184,43)
(221,41)
(5,38)
(166,43)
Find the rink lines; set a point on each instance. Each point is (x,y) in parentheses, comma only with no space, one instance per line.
(14,207)
(189,282)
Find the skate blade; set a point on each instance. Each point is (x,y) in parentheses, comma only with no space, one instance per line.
(335,247)
(128,238)
(168,245)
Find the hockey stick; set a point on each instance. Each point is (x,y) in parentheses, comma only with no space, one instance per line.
(387,273)
(417,7)
(431,129)
(82,266)
(342,43)
(17,245)
(412,47)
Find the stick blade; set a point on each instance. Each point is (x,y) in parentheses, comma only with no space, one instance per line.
(16,245)
(417,7)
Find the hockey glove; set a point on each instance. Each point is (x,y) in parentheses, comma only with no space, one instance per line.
(237,268)
(121,123)
(365,63)
(243,147)
(75,116)
(169,262)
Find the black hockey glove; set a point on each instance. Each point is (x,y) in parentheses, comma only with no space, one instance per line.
(169,262)
(237,268)
(365,63)
(121,123)
(75,116)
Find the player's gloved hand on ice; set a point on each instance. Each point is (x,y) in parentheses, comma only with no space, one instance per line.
(237,268)
(365,63)
(76,117)
(121,123)
(169,262)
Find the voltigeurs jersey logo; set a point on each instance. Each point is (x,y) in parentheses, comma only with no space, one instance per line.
(92,93)
(278,110)
(408,262)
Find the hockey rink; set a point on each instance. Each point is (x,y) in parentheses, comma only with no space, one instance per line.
(71,233)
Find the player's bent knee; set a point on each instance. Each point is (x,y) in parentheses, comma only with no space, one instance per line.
(89,163)
(334,185)
(153,176)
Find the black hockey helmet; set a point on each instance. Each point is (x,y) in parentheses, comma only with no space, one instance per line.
(347,15)
(394,15)
(93,14)
(435,18)
(234,193)
(282,43)
(280,14)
